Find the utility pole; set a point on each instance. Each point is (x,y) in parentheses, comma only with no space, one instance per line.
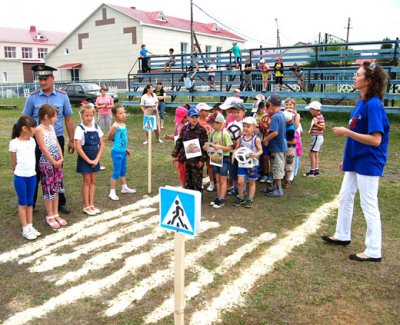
(191,27)
(278,39)
(348,30)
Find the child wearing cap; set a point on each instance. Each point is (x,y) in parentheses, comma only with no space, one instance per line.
(204,110)
(253,143)
(193,166)
(180,121)
(317,129)
(235,130)
(219,139)
(291,152)
(290,104)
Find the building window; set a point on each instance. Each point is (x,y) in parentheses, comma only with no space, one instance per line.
(5,77)
(219,49)
(208,50)
(184,47)
(161,17)
(66,51)
(42,52)
(27,53)
(10,52)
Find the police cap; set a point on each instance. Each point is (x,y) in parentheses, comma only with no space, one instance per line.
(42,70)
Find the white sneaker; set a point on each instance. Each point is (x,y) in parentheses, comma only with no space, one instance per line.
(159,140)
(146,142)
(264,179)
(211,187)
(128,190)
(28,234)
(35,231)
(113,196)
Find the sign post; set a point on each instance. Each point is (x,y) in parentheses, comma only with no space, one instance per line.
(180,211)
(149,125)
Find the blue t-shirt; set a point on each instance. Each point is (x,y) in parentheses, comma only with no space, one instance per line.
(278,123)
(57,98)
(143,52)
(120,140)
(366,118)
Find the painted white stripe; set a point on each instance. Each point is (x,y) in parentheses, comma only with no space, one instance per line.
(101,260)
(71,230)
(233,293)
(125,299)
(93,288)
(50,262)
(205,277)
(95,230)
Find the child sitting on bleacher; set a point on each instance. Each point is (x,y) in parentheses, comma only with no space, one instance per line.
(189,81)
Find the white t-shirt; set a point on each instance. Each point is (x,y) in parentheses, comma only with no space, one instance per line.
(146,100)
(80,134)
(212,68)
(26,160)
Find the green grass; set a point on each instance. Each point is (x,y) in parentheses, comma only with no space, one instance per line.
(315,284)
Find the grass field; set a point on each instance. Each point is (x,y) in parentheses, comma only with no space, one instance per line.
(301,281)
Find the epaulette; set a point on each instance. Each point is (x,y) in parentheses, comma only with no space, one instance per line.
(60,91)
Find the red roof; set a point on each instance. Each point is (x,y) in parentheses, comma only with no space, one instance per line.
(149,18)
(70,66)
(20,35)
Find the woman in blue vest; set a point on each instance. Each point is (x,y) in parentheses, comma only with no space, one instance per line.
(365,157)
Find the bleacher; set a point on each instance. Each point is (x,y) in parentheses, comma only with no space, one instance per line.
(328,75)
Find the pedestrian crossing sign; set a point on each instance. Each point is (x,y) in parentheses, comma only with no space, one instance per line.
(149,123)
(180,210)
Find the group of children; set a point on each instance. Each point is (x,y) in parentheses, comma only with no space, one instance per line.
(89,144)
(235,147)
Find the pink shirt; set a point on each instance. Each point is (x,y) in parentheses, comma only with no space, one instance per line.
(100,101)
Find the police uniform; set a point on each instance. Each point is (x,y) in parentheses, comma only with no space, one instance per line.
(56,98)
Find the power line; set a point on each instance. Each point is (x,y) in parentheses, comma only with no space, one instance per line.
(232,29)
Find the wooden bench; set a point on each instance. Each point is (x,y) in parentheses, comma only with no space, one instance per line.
(9,106)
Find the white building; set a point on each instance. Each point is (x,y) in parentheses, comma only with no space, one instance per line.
(107,43)
(22,48)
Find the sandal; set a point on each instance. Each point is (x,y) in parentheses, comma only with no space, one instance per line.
(94,209)
(52,222)
(61,221)
(88,210)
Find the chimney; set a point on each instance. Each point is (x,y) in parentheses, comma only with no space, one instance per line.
(32,29)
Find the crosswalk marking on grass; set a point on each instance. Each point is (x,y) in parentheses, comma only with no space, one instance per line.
(105,239)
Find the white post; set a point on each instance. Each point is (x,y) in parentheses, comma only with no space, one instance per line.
(149,161)
(179,281)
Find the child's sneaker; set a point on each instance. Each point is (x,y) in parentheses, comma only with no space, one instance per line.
(239,202)
(219,204)
(232,191)
(270,180)
(28,234)
(35,231)
(113,196)
(316,172)
(264,179)
(214,202)
(210,187)
(275,193)
(249,204)
(128,190)
(311,173)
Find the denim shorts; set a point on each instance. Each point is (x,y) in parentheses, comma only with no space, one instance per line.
(251,173)
(223,171)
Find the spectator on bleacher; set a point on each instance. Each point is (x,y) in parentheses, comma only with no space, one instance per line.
(247,78)
(365,157)
(195,59)
(278,72)
(299,74)
(188,81)
(265,70)
(235,49)
(148,104)
(211,74)
(144,55)
(161,96)
(171,60)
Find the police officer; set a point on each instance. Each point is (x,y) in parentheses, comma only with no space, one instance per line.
(47,94)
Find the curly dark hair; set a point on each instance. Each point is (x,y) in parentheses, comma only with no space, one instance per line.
(377,77)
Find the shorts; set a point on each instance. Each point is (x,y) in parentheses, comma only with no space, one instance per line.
(265,74)
(211,78)
(251,173)
(265,150)
(222,171)
(25,188)
(278,165)
(316,142)
(290,159)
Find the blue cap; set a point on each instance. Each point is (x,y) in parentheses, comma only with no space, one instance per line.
(193,112)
